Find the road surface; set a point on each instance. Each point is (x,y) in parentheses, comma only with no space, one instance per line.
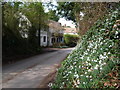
(29,72)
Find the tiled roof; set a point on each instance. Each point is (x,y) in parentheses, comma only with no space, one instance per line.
(55,25)
(70,30)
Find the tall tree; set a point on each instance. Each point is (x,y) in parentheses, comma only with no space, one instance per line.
(84,14)
(53,16)
(36,15)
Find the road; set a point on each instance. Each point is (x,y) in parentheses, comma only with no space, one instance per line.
(29,73)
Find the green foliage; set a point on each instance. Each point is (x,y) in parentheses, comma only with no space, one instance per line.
(84,14)
(52,15)
(71,40)
(67,10)
(94,57)
(21,18)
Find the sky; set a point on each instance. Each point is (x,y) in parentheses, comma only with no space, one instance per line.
(68,23)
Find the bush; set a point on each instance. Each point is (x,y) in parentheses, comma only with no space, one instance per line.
(71,40)
(95,62)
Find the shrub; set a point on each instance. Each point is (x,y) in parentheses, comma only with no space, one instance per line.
(95,61)
(71,40)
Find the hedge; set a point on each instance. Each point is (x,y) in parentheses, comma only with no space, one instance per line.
(71,40)
(95,62)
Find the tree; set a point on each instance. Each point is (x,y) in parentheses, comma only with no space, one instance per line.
(17,20)
(52,15)
(36,15)
(11,37)
(91,12)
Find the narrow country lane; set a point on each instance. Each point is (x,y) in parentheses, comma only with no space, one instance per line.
(29,73)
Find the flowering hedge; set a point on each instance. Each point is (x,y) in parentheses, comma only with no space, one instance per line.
(95,58)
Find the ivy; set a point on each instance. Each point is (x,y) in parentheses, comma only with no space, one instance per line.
(94,58)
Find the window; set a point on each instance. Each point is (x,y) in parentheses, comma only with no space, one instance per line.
(44,39)
(57,39)
(53,40)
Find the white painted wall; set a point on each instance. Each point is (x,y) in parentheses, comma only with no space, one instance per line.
(43,33)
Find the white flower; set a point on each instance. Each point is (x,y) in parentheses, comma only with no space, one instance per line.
(81,75)
(67,74)
(77,76)
(116,32)
(85,72)
(74,63)
(50,84)
(83,82)
(110,46)
(78,81)
(104,53)
(100,68)
(96,67)
(89,63)
(108,52)
(87,76)
(102,57)
(89,70)
(86,62)
(90,79)
(95,60)
(90,76)
(104,63)
(77,86)
(82,57)
(100,62)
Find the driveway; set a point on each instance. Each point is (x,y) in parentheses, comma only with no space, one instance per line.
(29,72)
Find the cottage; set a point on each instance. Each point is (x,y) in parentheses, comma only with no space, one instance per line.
(53,35)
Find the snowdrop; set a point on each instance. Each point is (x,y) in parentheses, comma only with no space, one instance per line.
(95,60)
(89,70)
(100,68)
(90,79)
(83,82)
(110,46)
(81,75)
(78,81)
(100,62)
(105,53)
(90,76)
(77,76)
(50,84)
(102,57)
(85,72)
(88,49)
(96,67)
(116,32)
(82,57)
(104,63)
(74,63)
(89,64)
